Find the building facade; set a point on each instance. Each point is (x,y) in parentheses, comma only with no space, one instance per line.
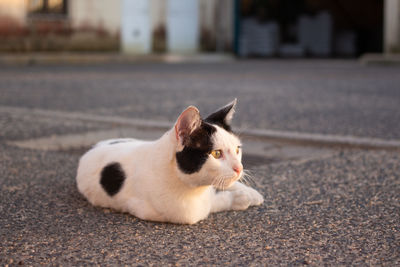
(321,28)
(96,25)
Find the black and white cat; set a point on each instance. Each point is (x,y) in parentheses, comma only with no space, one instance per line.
(192,170)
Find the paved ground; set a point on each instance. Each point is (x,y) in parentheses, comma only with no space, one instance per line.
(339,208)
(335,97)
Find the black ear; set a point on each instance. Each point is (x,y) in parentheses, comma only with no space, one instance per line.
(223,116)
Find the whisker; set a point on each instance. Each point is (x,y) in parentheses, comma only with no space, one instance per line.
(248,172)
(244,180)
(252,181)
(247,176)
(216,182)
(221,182)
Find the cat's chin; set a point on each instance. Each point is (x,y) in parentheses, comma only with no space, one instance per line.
(227,182)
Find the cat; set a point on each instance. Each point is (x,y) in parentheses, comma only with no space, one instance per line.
(191,171)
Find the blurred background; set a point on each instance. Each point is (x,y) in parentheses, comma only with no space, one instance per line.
(246,28)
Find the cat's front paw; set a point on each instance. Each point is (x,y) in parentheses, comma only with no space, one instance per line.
(242,199)
(256,198)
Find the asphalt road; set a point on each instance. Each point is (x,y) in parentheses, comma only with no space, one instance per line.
(317,96)
(342,208)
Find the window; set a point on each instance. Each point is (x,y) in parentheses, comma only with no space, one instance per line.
(56,7)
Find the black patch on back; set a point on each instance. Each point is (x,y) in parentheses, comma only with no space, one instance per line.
(118,142)
(112,178)
(196,149)
(219,116)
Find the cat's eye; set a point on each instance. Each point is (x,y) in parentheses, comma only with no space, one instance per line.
(238,149)
(216,154)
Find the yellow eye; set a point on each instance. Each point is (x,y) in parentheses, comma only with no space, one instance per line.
(238,149)
(216,154)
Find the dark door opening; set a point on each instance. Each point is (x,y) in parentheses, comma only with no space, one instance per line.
(308,28)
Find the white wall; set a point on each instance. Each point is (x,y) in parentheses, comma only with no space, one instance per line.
(15,9)
(392,25)
(107,13)
(96,14)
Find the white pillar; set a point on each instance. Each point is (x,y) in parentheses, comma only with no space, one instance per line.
(392,26)
(136,32)
(182,26)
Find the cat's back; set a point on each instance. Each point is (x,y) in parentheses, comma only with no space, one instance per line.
(119,157)
(125,152)
(112,150)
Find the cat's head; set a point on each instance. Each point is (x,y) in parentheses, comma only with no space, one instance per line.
(207,152)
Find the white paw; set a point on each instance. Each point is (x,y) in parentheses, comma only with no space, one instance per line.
(241,200)
(244,198)
(256,198)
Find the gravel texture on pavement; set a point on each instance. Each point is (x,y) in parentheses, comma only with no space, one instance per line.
(29,127)
(341,210)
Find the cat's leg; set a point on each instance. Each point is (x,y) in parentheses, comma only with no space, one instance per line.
(221,201)
(237,197)
(142,210)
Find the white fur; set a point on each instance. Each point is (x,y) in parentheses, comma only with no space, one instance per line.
(155,189)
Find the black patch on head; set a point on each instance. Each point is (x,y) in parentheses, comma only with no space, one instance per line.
(219,116)
(196,149)
(112,178)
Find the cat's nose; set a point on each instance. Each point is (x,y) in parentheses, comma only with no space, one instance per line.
(238,168)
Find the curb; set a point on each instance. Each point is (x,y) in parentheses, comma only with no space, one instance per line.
(98,58)
(310,139)
(327,140)
(380,59)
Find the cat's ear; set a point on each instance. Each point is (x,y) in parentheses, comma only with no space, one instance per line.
(223,116)
(187,122)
